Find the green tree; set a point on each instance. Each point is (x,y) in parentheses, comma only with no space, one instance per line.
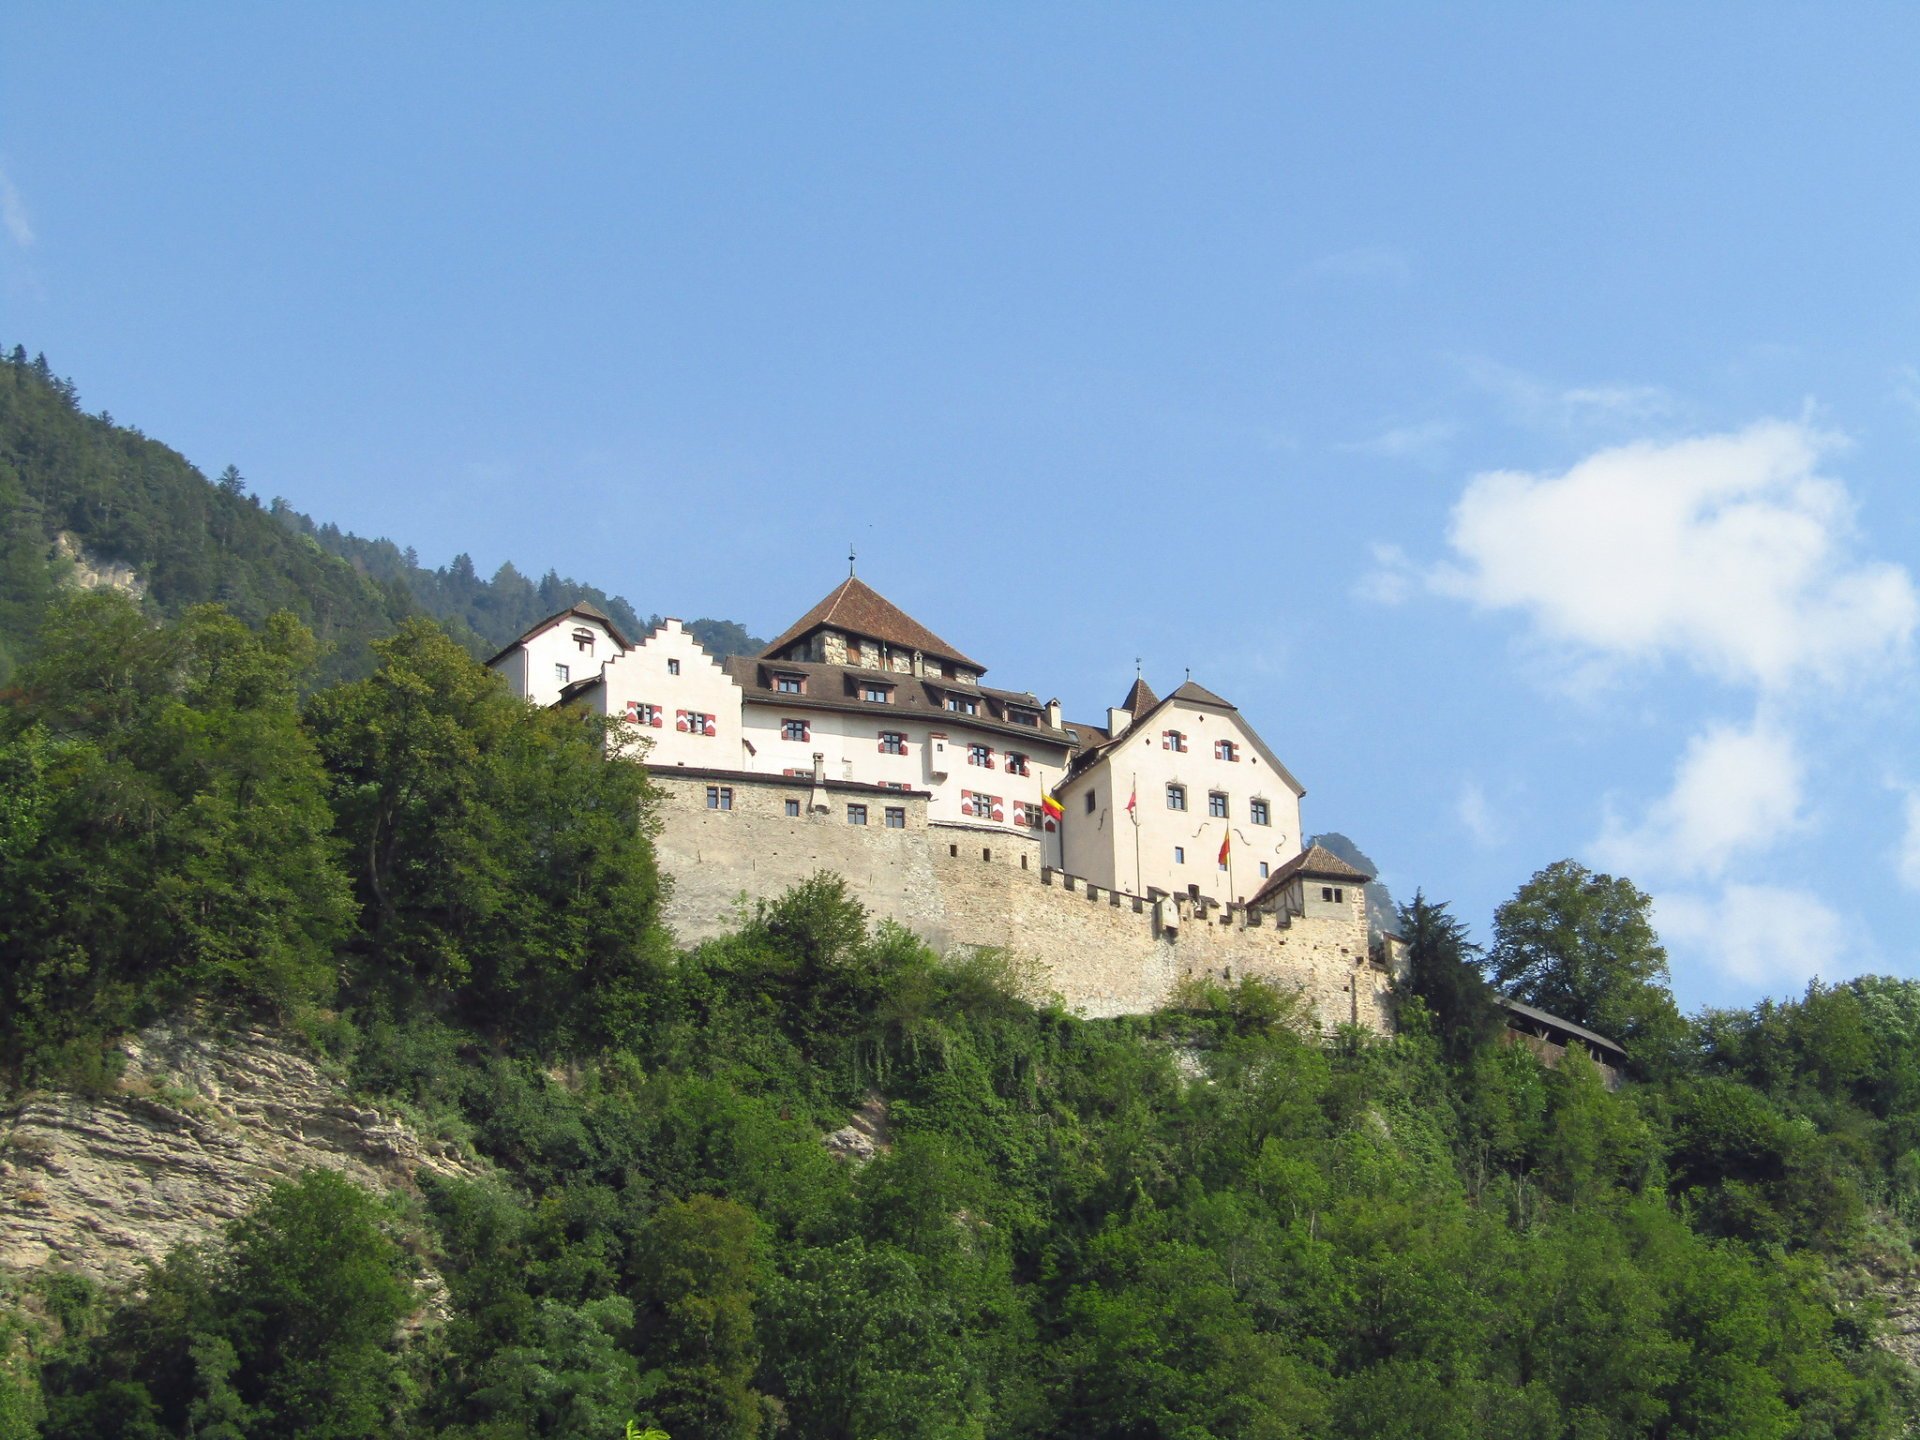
(1443,970)
(698,1274)
(166,826)
(500,853)
(1582,946)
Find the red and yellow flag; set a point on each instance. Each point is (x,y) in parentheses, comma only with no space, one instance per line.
(1226,847)
(1051,805)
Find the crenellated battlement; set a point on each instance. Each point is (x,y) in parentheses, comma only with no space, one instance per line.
(726,837)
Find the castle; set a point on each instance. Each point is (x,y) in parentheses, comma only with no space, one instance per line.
(1162,844)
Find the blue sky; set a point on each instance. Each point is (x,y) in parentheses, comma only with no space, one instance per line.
(1514,410)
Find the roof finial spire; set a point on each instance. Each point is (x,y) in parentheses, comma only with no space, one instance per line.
(1136,667)
(849,559)
(1189,672)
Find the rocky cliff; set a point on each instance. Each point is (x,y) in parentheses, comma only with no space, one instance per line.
(203,1120)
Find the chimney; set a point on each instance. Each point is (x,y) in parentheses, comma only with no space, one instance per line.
(1053,714)
(1118,721)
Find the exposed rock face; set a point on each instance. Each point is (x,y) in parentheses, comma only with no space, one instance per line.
(90,572)
(204,1121)
(865,1136)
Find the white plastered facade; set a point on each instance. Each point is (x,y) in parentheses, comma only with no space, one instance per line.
(1176,849)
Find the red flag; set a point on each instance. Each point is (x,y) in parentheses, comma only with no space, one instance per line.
(1131,798)
(1226,847)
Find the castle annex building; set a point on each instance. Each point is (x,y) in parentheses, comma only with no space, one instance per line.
(861,742)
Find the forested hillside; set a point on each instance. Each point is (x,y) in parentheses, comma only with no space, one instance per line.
(1209,1222)
(501,609)
(129,499)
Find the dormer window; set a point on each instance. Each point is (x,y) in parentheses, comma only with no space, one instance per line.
(876,694)
(963,705)
(583,638)
(1023,717)
(790,684)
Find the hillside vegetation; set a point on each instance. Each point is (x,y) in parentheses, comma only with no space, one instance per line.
(126,498)
(1209,1222)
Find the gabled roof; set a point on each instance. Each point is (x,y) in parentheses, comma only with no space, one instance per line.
(1507,1002)
(1092,750)
(856,607)
(1139,699)
(1314,863)
(582,611)
(1199,694)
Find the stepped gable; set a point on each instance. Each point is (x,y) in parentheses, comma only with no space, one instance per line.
(1314,863)
(582,611)
(856,607)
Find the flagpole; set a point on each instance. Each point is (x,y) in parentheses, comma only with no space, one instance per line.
(1133,812)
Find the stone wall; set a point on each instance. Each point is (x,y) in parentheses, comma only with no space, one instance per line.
(1102,951)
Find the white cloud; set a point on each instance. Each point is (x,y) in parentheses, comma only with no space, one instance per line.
(1365,262)
(1735,793)
(1726,551)
(1424,441)
(1759,934)
(1476,816)
(13,213)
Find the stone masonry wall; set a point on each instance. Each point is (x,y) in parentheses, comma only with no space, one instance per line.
(1102,951)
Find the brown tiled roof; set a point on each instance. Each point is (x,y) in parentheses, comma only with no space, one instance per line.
(1316,863)
(1200,694)
(583,611)
(856,607)
(923,701)
(1140,698)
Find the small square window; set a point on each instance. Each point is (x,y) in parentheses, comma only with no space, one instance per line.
(1179,854)
(1258,813)
(719,797)
(1176,797)
(673,667)
(1225,750)
(1263,869)
(1216,804)
(856,814)
(793,809)
(892,742)
(1172,740)
(980,755)
(896,817)
(560,673)
(794,730)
